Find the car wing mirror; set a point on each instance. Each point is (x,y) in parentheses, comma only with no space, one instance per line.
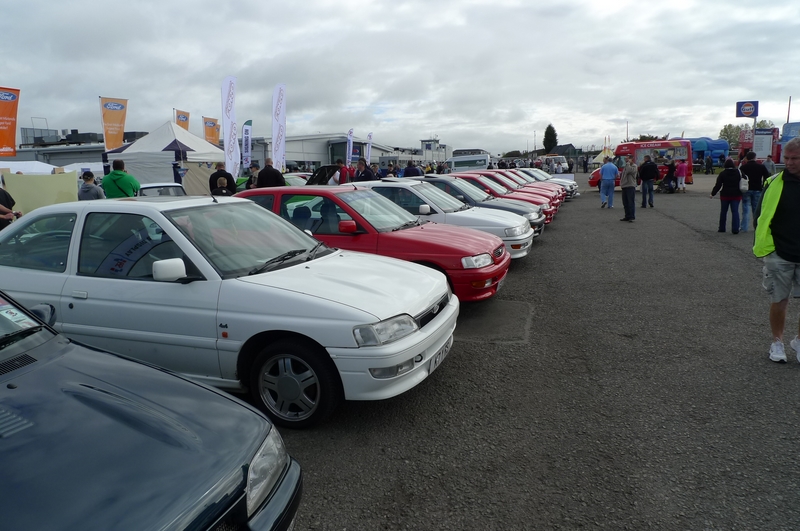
(424,210)
(460,198)
(45,312)
(308,232)
(169,270)
(348,226)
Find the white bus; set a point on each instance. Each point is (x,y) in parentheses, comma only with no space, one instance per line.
(469,162)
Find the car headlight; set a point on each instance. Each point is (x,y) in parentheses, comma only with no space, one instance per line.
(265,470)
(384,332)
(477,261)
(517,231)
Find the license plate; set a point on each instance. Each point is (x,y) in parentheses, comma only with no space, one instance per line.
(500,284)
(437,358)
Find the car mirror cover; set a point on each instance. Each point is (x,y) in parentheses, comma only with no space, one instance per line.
(348,226)
(169,270)
(424,210)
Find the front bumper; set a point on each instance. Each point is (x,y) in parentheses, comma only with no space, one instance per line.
(519,246)
(423,345)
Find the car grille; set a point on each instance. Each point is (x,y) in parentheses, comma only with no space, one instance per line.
(430,314)
(15,363)
(499,251)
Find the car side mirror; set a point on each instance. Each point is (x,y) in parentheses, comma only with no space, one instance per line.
(308,232)
(169,270)
(348,226)
(424,210)
(45,312)
(461,198)
(487,191)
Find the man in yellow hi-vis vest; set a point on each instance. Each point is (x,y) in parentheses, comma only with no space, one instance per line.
(777,241)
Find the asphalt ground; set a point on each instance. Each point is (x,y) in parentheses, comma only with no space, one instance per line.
(619,380)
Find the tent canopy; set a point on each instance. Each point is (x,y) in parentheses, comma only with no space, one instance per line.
(154,157)
(27,166)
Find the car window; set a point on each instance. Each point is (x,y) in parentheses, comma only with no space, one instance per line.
(403,197)
(434,196)
(492,185)
(472,190)
(162,191)
(320,215)
(265,201)
(125,246)
(38,243)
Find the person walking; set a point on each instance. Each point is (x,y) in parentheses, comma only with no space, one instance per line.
(769,164)
(269,176)
(586,164)
(756,175)
(777,241)
(729,196)
(608,177)
(648,173)
(89,190)
(681,171)
(709,164)
(118,183)
(628,184)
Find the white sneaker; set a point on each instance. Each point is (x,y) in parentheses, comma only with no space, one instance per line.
(776,352)
(795,344)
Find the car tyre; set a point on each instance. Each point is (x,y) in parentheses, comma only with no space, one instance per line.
(294,383)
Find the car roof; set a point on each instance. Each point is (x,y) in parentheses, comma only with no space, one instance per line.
(160,185)
(139,204)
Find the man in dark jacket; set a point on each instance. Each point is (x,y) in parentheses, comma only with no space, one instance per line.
(648,173)
(269,176)
(756,174)
(411,170)
(214,179)
(7,212)
(363,173)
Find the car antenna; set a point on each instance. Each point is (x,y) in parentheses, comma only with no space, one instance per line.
(354,186)
(214,198)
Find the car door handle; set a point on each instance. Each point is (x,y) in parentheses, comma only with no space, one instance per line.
(80,294)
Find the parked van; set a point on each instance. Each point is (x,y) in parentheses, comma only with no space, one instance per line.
(469,162)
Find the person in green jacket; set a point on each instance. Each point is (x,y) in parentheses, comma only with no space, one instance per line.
(777,241)
(118,183)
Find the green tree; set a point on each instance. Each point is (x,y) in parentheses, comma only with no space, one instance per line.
(550,139)
(730,133)
(647,138)
(514,153)
(764,124)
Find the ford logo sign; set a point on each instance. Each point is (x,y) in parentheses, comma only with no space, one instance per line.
(182,118)
(748,109)
(210,124)
(114,106)
(7,96)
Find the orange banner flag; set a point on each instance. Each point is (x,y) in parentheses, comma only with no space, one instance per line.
(113,112)
(182,119)
(211,130)
(9,101)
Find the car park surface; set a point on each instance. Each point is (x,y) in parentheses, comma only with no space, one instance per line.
(424,199)
(91,440)
(359,219)
(231,295)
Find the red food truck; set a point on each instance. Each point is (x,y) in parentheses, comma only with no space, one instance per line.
(660,151)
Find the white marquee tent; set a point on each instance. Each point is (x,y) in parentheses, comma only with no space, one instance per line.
(27,166)
(150,159)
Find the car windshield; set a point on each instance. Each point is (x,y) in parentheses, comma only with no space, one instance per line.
(505,181)
(240,238)
(294,180)
(524,176)
(541,174)
(472,191)
(162,190)
(380,212)
(493,185)
(14,323)
(438,198)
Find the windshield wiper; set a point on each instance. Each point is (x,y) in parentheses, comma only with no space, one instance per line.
(13,337)
(277,260)
(412,223)
(313,252)
(465,207)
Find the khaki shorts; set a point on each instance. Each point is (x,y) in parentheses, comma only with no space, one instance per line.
(779,276)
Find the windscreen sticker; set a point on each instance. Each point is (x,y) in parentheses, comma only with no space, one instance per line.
(15,316)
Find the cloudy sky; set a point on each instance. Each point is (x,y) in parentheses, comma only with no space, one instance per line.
(490,74)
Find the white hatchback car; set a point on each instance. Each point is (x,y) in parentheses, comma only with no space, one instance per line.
(225,292)
(433,204)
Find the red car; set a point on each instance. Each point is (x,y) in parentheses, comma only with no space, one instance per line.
(497,190)
(359,219)
(509,183)
(555,195)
